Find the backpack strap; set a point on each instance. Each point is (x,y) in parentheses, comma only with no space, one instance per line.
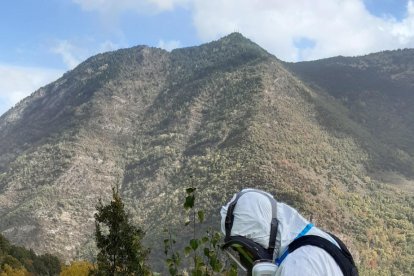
(343,248)
(342,256)
(273,225)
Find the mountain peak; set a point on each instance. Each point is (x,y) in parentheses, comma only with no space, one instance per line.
(236,36)
(218,117)
(231,49)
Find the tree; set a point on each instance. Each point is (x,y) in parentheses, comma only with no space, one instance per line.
(10,271)
(17,260)
(120,251)
(77,268)
(4,245)
(206,252)
(46,264)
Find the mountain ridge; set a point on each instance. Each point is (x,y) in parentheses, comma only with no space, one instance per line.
(219,117)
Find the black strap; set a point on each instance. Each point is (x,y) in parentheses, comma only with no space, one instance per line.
(256,250)
(343,248)
(341,256)
(273,226)
(230,217)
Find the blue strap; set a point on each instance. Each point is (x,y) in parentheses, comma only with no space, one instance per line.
(305,230)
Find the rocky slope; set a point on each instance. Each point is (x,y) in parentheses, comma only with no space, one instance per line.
(220,117)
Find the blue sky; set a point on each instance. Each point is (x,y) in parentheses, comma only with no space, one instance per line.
(41,39)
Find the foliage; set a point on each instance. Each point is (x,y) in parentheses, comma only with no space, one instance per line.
(16,260)
(7,270)
(230,115)
(375,92)
(119,242)
(204,250)
(77,268)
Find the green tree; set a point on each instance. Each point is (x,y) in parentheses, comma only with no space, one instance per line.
(120,251)
(205,251)
(4,245)
(10,271)
(19,260)
(46,264)
(77,268)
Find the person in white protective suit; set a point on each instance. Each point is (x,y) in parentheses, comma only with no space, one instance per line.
(266,237)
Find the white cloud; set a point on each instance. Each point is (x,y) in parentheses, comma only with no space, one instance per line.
(116,7)
(404,31)
(68,52)
(19,82)
(163,5)
(74,52)
(169,45)
(336,27)
(107,46)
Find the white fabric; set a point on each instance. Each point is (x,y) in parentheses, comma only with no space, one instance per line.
(252,217)
(309,261)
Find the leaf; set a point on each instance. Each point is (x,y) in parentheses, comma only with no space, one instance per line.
(176,258)
(204,239)
(200,216)
(217,266)
(194,244)
(215,239)
(215,263)
(187,221)
(189,202)
(169,262)
(190,190)
(199,262)
(172,270)
(197,272)
(187,250)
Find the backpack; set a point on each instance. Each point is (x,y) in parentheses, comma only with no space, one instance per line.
(341,255)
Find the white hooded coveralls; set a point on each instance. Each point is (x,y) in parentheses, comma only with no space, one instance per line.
(252,218)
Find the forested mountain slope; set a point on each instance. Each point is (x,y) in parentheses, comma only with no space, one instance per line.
(378,93)
(220,117)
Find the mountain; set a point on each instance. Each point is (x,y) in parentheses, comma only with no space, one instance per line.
(220,117)
(377,91)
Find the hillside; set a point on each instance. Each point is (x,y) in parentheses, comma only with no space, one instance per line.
(221,116)
(377,91)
